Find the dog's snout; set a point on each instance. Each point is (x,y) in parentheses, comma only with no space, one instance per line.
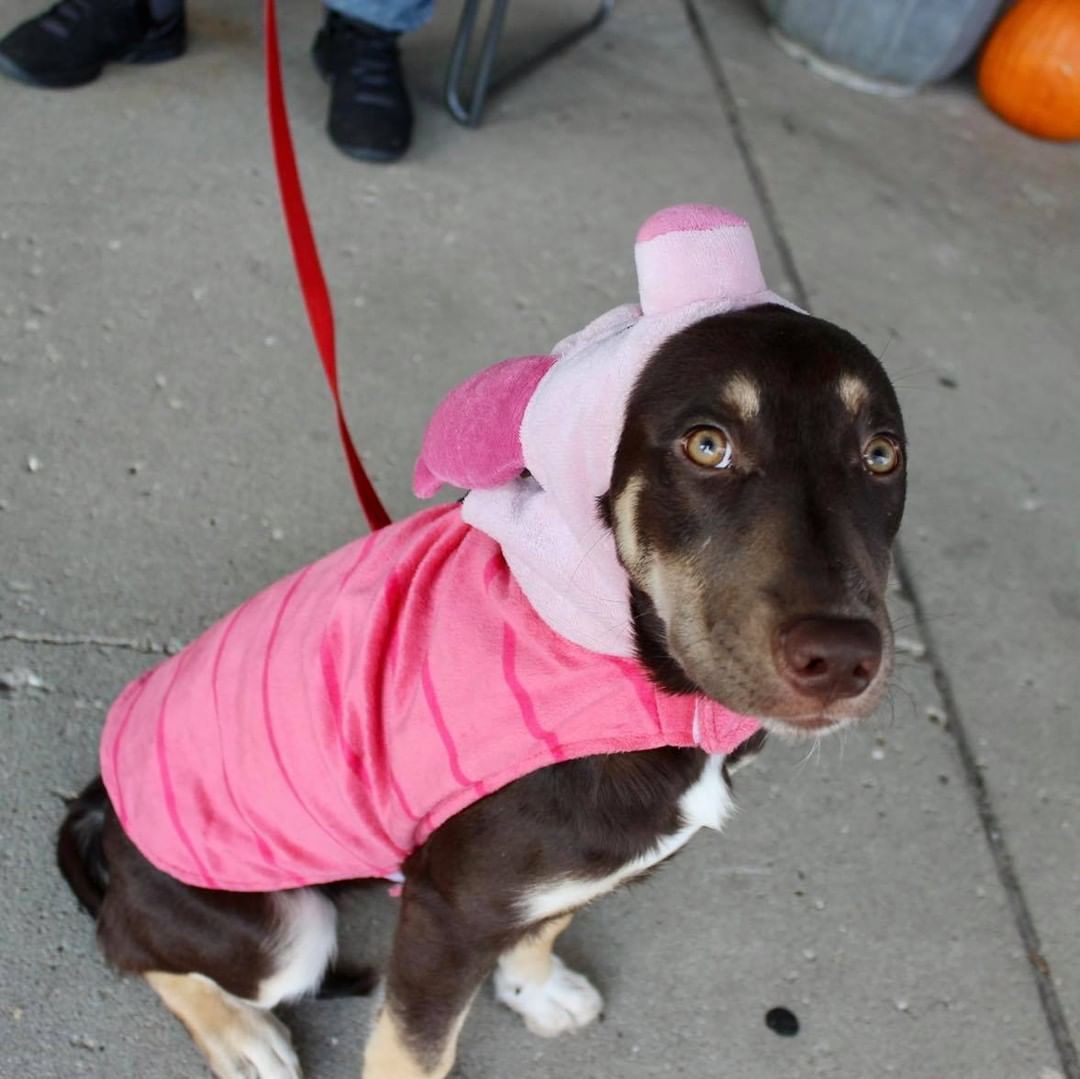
(829,658)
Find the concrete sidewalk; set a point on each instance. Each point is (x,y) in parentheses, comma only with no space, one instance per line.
(913,892)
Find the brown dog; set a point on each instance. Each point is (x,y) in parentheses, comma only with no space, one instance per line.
(760,584)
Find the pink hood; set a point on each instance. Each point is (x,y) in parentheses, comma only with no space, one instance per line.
(560,418)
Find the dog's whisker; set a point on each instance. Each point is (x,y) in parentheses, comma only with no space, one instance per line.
(885,348)
(845,733)
(812,752)
(897,688)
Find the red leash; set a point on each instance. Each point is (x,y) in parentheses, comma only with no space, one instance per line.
(309,270)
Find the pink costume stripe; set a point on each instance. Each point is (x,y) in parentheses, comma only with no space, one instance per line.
(524,701)
(117,795)
(365,551)
(167,790)
(391,599)
(400,795)
(330,675)
(264,848)
(268,721)
(642,690)
(353,759)
(492,567)
(444,732)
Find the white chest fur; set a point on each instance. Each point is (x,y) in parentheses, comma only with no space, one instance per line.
(707,804)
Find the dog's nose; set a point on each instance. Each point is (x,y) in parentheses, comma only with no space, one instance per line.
(829,658)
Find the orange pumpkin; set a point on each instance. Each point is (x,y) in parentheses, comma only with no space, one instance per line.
(1030,70)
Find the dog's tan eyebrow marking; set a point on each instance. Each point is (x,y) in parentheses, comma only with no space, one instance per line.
(853,393)
(743,395)
(626,533)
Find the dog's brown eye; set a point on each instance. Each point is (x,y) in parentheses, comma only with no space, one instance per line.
(881,455)
(708,447)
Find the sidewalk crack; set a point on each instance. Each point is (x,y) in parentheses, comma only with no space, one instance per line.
(145,645)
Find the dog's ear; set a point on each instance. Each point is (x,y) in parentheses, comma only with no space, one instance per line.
(474,438)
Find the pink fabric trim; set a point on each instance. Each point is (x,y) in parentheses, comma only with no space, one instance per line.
(688,217)
(722,730)
(473,440)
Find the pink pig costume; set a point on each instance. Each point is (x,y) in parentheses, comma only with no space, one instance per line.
(324,729)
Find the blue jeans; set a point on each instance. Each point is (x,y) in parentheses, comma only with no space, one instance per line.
(398,15)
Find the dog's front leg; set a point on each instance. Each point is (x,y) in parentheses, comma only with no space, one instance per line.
(440,958)
(392,1053)
(534,982)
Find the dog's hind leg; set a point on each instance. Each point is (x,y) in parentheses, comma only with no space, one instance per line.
(238,1039)
(289,947)
(239,1036)
(534,982)
(219,960)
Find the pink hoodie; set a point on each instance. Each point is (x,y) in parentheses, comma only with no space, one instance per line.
(325,728)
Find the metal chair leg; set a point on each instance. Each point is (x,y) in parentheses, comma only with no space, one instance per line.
(471,112)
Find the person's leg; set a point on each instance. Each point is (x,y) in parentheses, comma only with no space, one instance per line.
(395,16)
(71,42)
(370,113)
(165,9)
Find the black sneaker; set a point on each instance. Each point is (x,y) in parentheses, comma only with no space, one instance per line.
(70,43)
(370,113)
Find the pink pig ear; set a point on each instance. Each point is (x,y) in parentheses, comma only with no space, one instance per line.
(474,438)
(695,252)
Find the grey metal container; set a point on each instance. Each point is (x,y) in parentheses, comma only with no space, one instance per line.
(883,45)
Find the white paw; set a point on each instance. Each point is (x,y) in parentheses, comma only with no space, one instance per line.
(566,1001)
(253,1044)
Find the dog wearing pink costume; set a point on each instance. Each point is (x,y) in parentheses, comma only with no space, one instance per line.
(326,727)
